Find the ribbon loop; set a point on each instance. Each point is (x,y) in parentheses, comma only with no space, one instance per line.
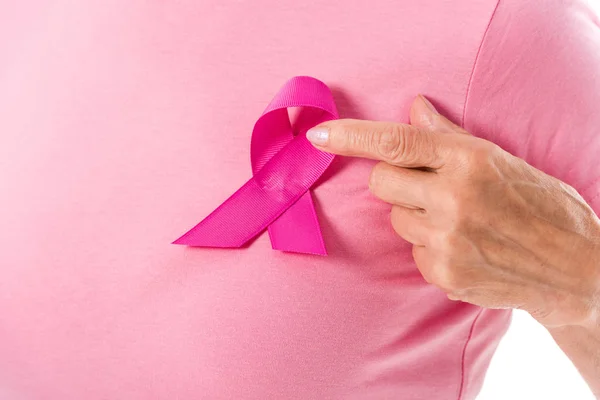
(284,167)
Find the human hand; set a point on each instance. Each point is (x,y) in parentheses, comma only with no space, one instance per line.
(486,227)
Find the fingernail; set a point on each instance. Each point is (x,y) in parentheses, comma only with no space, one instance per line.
(318,135)
(428,104)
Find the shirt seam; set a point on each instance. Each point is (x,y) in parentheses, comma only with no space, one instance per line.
(464,355)
(462,123)
(475,63)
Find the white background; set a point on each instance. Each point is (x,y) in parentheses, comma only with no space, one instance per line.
(528,365)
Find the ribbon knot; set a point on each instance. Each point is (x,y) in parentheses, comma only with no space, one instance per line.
(285,166)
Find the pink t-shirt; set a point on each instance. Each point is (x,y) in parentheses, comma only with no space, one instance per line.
(124,123)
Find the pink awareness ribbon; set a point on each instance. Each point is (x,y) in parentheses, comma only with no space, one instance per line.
(284,166)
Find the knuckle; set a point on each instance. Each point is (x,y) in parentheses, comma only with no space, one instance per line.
(444,242)
(481,154)
(390,143)
(474,157)
(479,157)
(451,244)
(444,276)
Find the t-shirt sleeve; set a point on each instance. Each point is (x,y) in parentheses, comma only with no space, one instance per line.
(535,89)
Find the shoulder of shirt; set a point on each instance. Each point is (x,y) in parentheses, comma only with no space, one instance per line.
(526,25)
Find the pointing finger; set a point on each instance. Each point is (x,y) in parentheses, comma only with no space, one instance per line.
(397,144)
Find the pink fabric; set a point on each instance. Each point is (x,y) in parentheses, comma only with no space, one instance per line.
(285,165)
(123,121)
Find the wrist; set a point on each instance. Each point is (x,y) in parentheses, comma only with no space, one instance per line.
(575,303)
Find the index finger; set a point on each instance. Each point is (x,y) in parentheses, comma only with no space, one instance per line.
(398,144)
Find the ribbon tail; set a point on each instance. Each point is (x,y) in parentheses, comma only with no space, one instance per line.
(237,220)
(297,229)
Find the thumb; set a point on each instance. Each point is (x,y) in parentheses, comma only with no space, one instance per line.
(424,115)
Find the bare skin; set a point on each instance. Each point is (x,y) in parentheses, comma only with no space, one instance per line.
(486,227)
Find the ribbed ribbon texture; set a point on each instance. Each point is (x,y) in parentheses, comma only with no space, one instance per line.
(285,165)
